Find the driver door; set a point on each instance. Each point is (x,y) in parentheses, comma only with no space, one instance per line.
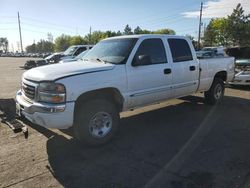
(150,81)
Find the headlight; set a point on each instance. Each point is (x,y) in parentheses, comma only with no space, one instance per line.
(51,92)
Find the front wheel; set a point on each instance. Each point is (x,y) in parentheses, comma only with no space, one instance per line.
(96,122)
(216,92)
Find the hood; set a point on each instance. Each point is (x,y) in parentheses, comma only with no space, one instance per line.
(67,60)
(57,71)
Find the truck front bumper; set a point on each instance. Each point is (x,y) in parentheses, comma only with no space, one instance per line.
(59,116)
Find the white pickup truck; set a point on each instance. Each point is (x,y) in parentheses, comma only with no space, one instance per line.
(118,74)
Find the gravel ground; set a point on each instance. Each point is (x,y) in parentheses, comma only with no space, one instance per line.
(195,144)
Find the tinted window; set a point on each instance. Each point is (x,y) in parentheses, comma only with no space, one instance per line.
(154,48)
(80,50)
(180,50)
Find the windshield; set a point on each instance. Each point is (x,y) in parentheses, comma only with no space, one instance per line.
(70,51)
(113,51)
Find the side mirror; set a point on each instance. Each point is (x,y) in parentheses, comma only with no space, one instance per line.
(141,60)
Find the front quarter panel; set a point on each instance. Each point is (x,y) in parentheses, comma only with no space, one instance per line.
(80,84)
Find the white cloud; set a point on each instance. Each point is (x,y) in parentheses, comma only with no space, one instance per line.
(218,8)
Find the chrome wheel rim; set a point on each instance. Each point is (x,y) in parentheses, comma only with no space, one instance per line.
(100,124)
(218,91)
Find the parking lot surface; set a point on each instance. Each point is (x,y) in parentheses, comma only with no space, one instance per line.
(179,143)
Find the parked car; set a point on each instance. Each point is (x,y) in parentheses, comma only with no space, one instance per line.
(242,65)
(118,74)
(77,58)
(74,51)
(218,50)
(54,58)
(41,62)
(29,64)
(211,52)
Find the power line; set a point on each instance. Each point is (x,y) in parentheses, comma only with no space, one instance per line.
(33,31)
(9,29)
(48,27)
(53,24)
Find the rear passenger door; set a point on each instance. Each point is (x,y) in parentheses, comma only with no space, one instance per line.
(185,68)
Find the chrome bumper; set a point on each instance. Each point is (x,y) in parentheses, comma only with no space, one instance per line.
(58,116)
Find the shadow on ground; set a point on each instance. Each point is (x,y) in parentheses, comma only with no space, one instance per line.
(8,108)
(144,144)
(239,87)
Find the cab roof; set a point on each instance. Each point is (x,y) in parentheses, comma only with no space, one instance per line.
(146,36)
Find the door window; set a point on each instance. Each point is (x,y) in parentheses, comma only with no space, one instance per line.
(180,50)
(80,50)
(153,48)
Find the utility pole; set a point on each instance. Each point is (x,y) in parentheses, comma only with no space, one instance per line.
(199,35)
(20,33)
(90,33)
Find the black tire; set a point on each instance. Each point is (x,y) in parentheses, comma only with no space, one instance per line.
(84,117)
(212,96)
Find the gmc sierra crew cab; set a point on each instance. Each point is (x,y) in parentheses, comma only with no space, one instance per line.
(118,74)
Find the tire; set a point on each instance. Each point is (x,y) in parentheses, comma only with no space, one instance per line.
(96,122)
(216,92)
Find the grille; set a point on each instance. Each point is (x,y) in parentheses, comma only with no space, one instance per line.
(28,90)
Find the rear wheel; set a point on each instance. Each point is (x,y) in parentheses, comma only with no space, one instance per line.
(216,92)
(96,122)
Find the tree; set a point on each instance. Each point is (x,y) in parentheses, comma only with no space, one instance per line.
(127,30)
(50,37)
(164,31)
(145,31)
(42,46)
(95,37)
(31,48)
(62,42)
(4,44)
(118,33)
(239,25)
(137,30)
(77,40)
(216,33)
(233,30)
(110,33)
(194,42)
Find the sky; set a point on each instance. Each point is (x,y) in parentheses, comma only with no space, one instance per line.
(75,17)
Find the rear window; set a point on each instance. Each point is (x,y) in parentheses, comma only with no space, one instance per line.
(180,50)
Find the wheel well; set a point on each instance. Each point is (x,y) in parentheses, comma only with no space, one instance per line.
(222,75)
(110,94)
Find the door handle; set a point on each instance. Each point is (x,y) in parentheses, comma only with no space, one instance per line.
(167,71)
(192,68)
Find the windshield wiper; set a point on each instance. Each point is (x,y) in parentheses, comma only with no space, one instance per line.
(100,60)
